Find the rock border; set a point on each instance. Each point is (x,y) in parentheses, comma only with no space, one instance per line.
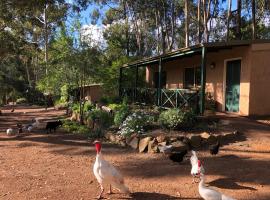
(154,144)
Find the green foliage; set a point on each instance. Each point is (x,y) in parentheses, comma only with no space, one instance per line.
(121,114)
(75,127)
(88,106)
(103,117)
(64,93)
(109,100)
(176,118)
(75,108)
(114,106)
(21,100)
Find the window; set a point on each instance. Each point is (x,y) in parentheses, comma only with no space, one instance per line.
(163,79)
(192,77)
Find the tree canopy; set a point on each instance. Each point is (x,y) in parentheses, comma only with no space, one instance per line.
(43,46)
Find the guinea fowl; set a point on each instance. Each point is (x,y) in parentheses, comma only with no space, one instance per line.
(214,148)
(209,193)
(196,166)
(177,156)
(106,173)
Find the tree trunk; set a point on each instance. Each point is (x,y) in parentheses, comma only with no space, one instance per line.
(187,23)
(253,20)
(228,20)
(199,21)
(127,27)
(46,39)
(158,32)
(239,19)
(27,72)
(205,21)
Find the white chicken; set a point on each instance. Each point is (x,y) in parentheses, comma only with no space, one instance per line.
(211,194)
(10,131)
(196,166)
(106,173)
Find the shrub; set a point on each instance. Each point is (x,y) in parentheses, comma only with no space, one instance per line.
(176,118)
(114,106)
(134,123)
(75,127)
(21,100)
(121,114)
(76,108)
(104,118)
(109,100)
(88,106)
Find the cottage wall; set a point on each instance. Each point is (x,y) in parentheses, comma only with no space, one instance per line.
(93,92)
(215,78)
(260,80)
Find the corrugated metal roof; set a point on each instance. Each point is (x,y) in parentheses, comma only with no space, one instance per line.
(194,49)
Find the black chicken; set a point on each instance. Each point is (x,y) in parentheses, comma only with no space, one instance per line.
(214,148)
(177,156)
(19,125)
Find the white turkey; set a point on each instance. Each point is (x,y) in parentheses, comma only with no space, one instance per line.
(196,166)
(106,174)
(10,131)
(210,194)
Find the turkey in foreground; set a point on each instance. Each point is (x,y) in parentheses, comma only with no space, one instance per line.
(196,166)
(211,194)
(106,173)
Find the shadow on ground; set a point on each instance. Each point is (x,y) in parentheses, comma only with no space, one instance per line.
(229,183)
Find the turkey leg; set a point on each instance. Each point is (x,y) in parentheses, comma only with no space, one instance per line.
(101,192)
(110,190)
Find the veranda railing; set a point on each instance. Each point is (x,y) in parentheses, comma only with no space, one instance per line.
(169,98)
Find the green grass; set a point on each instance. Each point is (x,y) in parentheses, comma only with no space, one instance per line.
(77,128)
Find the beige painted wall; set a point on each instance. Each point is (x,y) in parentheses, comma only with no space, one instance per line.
(260,80)
(215,78)
(93,93)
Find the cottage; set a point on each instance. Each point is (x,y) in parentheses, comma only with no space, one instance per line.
(92,92)
(235,75)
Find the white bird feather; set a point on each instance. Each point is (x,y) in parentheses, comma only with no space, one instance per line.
(195,169)
(211,194)
(106,173)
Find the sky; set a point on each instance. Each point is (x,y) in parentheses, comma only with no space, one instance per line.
(95,32)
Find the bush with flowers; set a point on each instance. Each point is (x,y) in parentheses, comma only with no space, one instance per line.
(176,118)
(134,123)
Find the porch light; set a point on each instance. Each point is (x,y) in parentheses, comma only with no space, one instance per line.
(212,65)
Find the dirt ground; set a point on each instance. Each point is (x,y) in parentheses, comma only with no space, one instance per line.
(59,166)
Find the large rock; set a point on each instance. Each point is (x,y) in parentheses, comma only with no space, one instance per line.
(179,146)
(143,144)
(209,138)
(195,141)
(153,146)
(162,144)
(161,138)
(112,137)
(229,136)
(128,139)
(205,135)
(173,139)
(134,142)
